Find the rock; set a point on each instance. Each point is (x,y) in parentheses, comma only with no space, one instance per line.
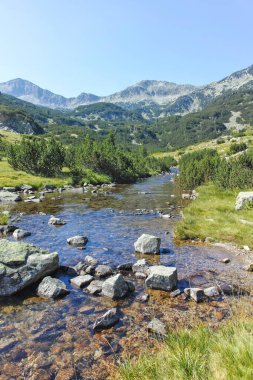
(22,264)
(131,286)
(248,267)
(11,189)
(165,216)
(226,289)
(197,294)
(95,287)
(56,221)
(81,281)
(145,297)
(91,261)
(32,200)
(125,267)
(242,199)
(157,327)
(212,291)
(78,241)
(246,248)
(175,293)
(115,287)
(187,292)
(7,229)
(141,266)
(20,234)
(90,269)
(109,319)
(226,260)
(147,244)
(186,196)
(80,267)
(52,288)
(8,197)
(103,271)
(161,277)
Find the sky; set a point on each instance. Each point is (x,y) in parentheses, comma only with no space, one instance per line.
(103,46)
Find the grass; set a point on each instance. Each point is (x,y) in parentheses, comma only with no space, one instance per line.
(197,354)
(213,215)
(4,219)
(11,177)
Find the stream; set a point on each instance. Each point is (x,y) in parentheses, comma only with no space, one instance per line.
(54,339)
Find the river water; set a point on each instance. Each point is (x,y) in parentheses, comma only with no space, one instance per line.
(46,339)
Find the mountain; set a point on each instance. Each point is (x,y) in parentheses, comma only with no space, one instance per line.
(30,92)
(149,99)
(199,99)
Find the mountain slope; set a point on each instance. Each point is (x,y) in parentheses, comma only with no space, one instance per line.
(30,92)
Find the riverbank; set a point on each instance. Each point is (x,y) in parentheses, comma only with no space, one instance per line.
(212,217)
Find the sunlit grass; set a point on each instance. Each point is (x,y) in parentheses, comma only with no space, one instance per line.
(213,215)
(11,177)
(197,354)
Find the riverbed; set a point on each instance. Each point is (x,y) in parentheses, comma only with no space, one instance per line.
(54,339)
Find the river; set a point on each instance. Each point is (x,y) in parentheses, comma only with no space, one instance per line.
(46,339)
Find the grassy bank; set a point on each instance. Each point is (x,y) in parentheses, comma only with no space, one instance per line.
(11,177)
(213,215)
(201,353)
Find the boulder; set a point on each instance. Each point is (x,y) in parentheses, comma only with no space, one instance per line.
(109,319)
(78,241)
(8,197)
(125,267)
(56,221)
(103,271)
(52,288)
(81,281)
(116,287)
(95,287)
(243,198)
(161,277)
(7,229)
(91,261)
(20,234)
(175,293)
(147,244)
(197,294)
(22,264)
(157,327)
(141,266)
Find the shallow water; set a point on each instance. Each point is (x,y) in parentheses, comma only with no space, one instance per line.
(54,339)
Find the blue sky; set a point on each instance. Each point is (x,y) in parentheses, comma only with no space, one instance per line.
(102,46)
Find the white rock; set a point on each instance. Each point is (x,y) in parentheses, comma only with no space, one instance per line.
(20,234)
(147,244)
(81,281)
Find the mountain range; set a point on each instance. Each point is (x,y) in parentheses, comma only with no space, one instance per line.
(150,98)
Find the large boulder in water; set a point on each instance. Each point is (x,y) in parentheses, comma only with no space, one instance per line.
(147,244)
(22,264)
(8,196)
(52,288)
(161,277)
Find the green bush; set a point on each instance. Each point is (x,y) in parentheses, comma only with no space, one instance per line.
(37,156)
(237,147)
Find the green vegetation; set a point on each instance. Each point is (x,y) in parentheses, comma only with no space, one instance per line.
(4,219)
(11,177)
(37,156)
(237,147)
(198,354)
(213,215)
(206,165)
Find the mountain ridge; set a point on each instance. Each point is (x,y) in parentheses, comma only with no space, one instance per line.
(153,98)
